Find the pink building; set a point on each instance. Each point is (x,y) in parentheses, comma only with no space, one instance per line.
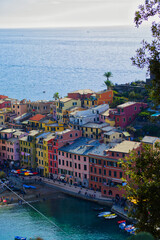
(60,139)
(73,161)
(125,113)
(9,147)
(19,107)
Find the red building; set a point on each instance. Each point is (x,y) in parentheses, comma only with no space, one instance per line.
(5,104)
(59,140)
(80,94)
(105,170)
(125,113)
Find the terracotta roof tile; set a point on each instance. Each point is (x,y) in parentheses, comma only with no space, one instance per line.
(37,117)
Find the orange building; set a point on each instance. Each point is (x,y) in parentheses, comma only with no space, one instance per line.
(105,96)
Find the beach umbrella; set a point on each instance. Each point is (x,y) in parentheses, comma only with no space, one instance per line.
(35,173)
(4,200)
(26,173)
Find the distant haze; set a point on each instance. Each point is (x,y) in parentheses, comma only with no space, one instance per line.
(66,13)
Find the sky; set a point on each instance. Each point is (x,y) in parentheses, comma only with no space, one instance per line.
(67,13)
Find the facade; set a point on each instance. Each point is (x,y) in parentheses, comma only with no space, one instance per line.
(59,140)
(105,96)
(150,140)
(40,107)
(106,172)
(64,105)
(5,103)
(113,136)
(73,161)
(80,94)
(28,150)
(9,147)
(93,130)
(125,113)
(42,153)
(33,122)
(19,107)
(90,115)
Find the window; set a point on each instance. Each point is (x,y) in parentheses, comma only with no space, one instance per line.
(74,156)
(67,163)
(85,176)
(91,169)
(59,161)
(84,159)
(78,157)
(67,155)
(117,154)
(124,119)
(85,167)
(115,174)
(70,155)
(95,170)
(104,171)
(62,153)
(100,171)
(117,119)
(135,108)
(70,164)
(75,165)
(70,135)
(99,161)
(112,154)
(76,174)
(79,175)
(63,162)
(79,166)
(59,153)
(120,174)
(110,174)
(123,155)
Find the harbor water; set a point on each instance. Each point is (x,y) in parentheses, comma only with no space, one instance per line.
(73,216)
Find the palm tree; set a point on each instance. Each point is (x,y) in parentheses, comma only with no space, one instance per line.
(108,75)
(108,83)
(56,95)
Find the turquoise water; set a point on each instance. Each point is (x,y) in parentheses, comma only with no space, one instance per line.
(74,216)
(62,60)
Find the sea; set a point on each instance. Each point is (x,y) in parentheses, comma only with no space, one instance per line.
(68,219)
(36,63)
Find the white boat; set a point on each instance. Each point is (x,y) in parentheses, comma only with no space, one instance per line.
(103,213)
(110,216)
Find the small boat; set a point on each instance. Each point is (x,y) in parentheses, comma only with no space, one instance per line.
(122,225)
(103,213)
(128,227)
(20,238)
(122,221)
(110,216)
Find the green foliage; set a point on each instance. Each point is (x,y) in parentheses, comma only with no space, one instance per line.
(144,186)
(142,236)
(118,101)
(132,95)
(108,83)
(108,75)
(148,55)
(2,175)
(56,95)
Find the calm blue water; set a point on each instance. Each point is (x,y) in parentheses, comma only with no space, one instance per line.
(63,60)
(74,216)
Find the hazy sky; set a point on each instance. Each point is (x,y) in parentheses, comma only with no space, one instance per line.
(52,13)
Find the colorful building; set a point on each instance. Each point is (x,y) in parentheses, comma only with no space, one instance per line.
(63,105)
(28,150)
(40,107)
(93,130)
(106,172)
(19,107)
(73,161)
(42,153)
(34,122)
(80,94)
(59,140)
(125,113)
(9,147)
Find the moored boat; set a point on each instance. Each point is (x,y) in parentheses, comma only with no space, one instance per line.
(103,213)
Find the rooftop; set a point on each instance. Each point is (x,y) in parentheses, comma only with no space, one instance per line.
(81,146)
(101,149)
(37,117)
(10,130)
(95,125)
(65,99)
(33,132)
(83,91)
(127,104)
(150,140)
(103,91)
(126,146)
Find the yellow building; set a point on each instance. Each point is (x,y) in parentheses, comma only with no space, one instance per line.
(42,153)
(63,105)
(93,130)
(54,127)
(90,102)
(28,149)
(113,136)
(2,118)
(33,122)
(104,117)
